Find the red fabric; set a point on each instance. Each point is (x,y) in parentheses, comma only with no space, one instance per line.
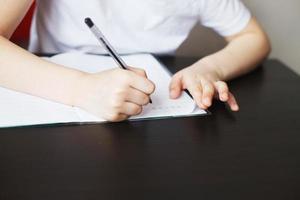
(21,34)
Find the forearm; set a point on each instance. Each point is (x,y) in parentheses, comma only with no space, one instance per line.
(25,72)
(242,54)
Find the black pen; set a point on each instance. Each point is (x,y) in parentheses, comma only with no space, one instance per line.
(111,51)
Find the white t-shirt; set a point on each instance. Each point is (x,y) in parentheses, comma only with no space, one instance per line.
(131,26)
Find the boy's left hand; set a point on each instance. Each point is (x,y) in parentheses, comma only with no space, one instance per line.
(204,84)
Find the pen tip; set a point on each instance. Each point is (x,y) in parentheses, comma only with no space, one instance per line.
(89,22)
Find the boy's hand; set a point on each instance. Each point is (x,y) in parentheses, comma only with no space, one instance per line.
(114,94)
(203,83)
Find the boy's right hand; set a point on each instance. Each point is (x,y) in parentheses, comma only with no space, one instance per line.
(114,94)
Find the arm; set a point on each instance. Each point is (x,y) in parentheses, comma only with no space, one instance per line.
(25,72)
(205,79)
(243,53)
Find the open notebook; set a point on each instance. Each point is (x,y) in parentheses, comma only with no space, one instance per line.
(18,109)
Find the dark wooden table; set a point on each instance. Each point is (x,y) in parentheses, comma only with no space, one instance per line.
(252,154)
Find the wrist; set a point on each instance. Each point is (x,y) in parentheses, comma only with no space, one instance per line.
(208,64)
(80,83)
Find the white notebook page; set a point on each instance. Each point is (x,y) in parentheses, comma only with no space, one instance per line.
(17,109)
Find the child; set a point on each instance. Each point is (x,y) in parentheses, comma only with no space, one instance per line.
(132,26)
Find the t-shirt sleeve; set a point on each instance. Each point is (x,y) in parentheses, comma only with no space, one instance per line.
(226,17)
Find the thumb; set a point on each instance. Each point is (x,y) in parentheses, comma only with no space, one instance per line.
(175,87)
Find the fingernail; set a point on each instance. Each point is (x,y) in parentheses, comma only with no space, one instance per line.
(235,107)
(224,97)
(207,102)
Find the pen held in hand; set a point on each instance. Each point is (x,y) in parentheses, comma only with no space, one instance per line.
(111,51)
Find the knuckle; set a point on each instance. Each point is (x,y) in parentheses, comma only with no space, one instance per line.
(151,88)
(113,117)
(222,84)
(116,103)
(198,88)
(145,100)
(199,76)
(208,89)
(142,72)
(120,94)
(138,110)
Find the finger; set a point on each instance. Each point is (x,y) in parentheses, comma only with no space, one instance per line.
(117,118)
(137,97)
(208,92)
(195,90)
(130,109)
(223,90)
(140,83)
(175,87)
(232,102)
